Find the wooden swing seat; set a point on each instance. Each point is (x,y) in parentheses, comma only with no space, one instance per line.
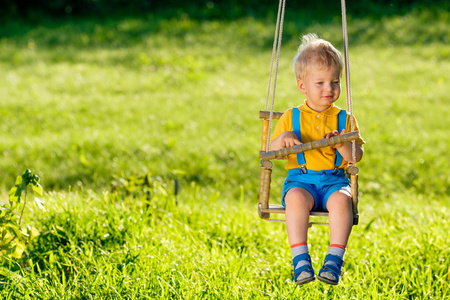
(279,209)
(264,207)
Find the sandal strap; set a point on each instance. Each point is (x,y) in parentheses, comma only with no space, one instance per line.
(334,258)
(304,256)
(336,270)
(305,267)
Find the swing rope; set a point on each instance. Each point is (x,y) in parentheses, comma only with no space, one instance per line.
(347,75)
(275,49)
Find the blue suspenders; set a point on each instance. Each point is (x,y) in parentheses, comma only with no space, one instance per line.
(342,122)
(296,128)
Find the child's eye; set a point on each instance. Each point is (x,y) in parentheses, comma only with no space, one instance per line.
(320,82)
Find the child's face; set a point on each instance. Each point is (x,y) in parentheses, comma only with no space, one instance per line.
(322,87)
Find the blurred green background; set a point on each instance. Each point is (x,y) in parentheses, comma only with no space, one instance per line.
(93,89)
(206,9)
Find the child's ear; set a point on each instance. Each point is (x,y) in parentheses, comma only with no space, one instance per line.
(301,86)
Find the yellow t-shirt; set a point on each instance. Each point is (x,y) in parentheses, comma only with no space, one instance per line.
(313,127)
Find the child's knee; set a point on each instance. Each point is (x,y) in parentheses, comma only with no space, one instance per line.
(299,196)
(338,199)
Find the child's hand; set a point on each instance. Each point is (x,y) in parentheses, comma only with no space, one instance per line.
(289,139)
(284,140)
(334,133)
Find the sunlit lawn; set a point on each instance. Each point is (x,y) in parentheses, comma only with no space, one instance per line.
(84,103)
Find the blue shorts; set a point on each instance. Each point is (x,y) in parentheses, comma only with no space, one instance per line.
(320,184)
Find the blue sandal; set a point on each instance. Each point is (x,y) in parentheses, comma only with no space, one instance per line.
(330,273)
(305,273)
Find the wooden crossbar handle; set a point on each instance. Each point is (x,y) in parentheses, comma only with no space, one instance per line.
(265,114)
(346,137)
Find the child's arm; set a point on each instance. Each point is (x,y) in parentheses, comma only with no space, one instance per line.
(284,140)
(345,149)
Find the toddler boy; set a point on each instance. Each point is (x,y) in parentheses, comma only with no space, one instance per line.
(316,179)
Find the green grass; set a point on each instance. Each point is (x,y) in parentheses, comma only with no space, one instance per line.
(95,247)
(83,102)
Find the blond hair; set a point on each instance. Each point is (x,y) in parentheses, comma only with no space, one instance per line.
(316,52)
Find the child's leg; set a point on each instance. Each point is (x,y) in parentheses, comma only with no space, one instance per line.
(340,214)
(339,206)
(299,203)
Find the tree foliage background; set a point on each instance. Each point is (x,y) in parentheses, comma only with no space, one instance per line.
(202,8)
